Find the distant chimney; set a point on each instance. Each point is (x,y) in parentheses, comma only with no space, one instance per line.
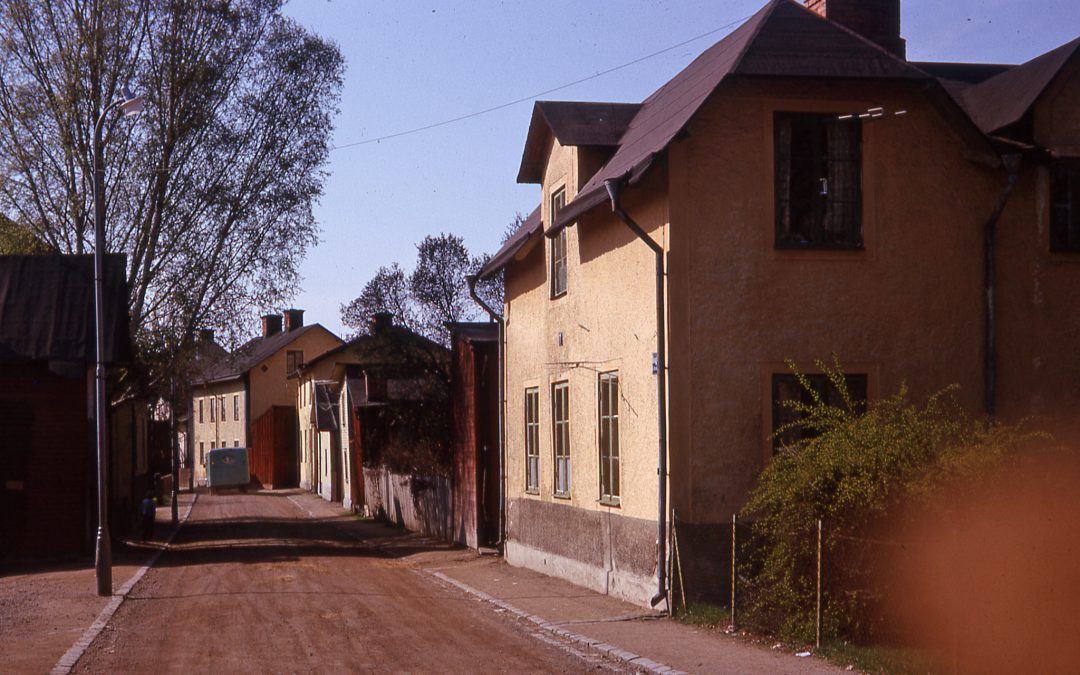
(294,318)
(206,335)
(380,321)
(271,325)
(875,20)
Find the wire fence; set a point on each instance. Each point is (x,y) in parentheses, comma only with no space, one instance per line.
(836,584)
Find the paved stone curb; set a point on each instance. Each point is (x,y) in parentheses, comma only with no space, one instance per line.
(629,658)
(69,659)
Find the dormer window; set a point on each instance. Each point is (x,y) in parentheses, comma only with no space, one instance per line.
(558,247)
(1065,206)
(818,180)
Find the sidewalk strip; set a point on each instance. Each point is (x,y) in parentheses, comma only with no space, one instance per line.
(647,665)
(69,659)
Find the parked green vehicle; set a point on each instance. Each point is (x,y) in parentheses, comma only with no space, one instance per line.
(227,467)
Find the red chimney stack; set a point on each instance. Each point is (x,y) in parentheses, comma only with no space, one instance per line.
(875,20)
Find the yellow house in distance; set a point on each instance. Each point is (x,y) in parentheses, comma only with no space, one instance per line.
(799,190)
(246,399)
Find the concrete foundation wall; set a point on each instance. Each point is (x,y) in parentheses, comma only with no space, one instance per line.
(603,551)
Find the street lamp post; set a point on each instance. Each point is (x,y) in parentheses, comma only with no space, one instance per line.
(130,105)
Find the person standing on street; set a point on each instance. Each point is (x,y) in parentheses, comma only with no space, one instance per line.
(147,510)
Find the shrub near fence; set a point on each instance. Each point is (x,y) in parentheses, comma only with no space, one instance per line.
(855,470)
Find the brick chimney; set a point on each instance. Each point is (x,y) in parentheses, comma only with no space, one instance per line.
(294,318)
(380,321)
(271,325)
(875,20)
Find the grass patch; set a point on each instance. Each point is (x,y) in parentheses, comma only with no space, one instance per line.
(881,659)
(703,614)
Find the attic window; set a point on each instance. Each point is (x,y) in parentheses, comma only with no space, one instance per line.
(558,247)
(818,181)
(294,358)
(1065,206)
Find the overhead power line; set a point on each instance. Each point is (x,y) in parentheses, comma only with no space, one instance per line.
(537,95)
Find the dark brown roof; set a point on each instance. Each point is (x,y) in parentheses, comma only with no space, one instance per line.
(252,353)
(970,73)
(529,229)
(572,123)
(1004,99)
(389,345)
(784,39)
(47,308)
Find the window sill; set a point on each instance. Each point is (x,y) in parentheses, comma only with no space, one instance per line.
(562,495)
(612,502)
(533,493)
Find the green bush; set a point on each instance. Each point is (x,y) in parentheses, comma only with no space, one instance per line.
(861,465)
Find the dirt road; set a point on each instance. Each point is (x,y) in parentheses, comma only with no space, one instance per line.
(255,583)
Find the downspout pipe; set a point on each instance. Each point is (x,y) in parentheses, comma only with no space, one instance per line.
(613,188)
(498,319)
(1012,166)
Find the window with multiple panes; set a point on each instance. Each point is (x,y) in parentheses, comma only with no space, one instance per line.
(560,436)
(818,180)
(294,358)
(200,411)
(236,407)
(532,440)
(786,387)
(609,437)
(558,247)
(222,402)
(213,410)
(1065,206)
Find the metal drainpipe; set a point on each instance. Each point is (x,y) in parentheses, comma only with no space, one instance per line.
(1012,165)
(471,280)
(613,187)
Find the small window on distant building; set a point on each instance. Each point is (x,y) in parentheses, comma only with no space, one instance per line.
(560,436)
(202,452)
(1065,206)
(532,440)
(213,444)
(200,411)
(609,437)
(294,358)
(236,407)
(818,180)
(786,387)
(213,409)
(558,247)
(236,443)
(222,401)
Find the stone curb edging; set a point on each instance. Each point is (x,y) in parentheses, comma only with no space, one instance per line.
(72,656)
(626,657)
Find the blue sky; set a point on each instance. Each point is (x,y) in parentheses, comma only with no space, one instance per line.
(412,64)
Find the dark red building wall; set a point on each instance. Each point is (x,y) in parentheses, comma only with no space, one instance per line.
(46,463)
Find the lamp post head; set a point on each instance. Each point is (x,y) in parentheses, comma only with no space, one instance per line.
(132,104)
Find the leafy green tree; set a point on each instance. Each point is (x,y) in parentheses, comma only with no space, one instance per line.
(210,191)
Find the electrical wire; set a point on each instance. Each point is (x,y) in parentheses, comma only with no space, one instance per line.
(537,95)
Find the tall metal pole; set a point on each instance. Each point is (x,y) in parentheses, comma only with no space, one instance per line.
(103,552)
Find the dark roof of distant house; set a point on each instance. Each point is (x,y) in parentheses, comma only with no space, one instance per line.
(47,308)
(784,39)
(252,353)
(474,331)
(368,348)
(572,123)
(529,228)
(1003,100)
